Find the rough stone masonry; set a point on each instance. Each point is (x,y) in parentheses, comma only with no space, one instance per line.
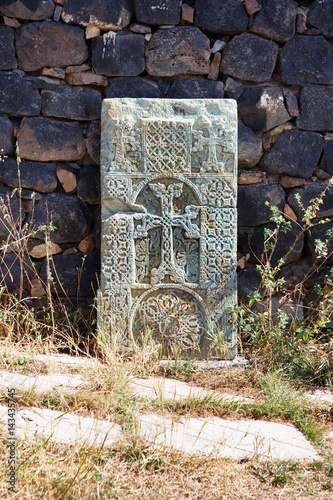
(59,59)
(168,174)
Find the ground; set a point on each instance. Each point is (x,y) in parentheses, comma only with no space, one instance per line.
(91,438)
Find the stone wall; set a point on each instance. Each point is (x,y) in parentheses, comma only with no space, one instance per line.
(59,59)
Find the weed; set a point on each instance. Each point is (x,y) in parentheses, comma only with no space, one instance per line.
(282,350)
(278,336)
(276,473)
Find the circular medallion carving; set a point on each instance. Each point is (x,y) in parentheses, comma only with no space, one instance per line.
(171,317)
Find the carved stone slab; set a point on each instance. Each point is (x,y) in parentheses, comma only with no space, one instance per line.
(168,175)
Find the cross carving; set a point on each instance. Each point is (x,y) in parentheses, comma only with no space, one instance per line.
(167,221)
(215,137)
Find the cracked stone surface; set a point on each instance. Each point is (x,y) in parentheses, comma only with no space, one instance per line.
(166,389)
(40,383)
(64,428)
(228,439)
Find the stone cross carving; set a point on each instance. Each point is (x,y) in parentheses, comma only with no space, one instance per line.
(213,139)
(168,176)
(167,221)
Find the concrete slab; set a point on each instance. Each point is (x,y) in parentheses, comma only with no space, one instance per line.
(63,428)
(39,383)
(175,390)
(229,439)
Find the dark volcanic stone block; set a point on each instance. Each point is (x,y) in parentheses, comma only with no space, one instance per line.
(131,87)
(38,176)
(76,103)
(7,48)
(89,187)
(14,271)
(196,88)
(7,139)
(178,51)
(318,232)
(119,54)
(316,105)
(311,192)
(254,245)
(249,57)
(50,44)
(295,153)
(327,160)
(223,17)
(11,212)
(249,147)
(110,14)
(320,15)
(157,11)
(45,83)
(43,139)
(17,97)
(30,10)
(77,274)
(96,230)
(294,275)
(276,20)
(68,214)
(232,88)
(307,59)
(248,281)
(93,142)
(262,107)
(252,208)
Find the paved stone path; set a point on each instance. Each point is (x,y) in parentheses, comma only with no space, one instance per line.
(40,383)
(63,427)
(66,359)
(221,437)
(324,397)
(228,439)
(175,390)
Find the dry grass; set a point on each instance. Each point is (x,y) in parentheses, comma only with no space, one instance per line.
(131,470)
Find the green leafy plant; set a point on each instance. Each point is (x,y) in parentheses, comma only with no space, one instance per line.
(302,345)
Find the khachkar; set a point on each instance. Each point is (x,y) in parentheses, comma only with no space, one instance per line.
(168,174)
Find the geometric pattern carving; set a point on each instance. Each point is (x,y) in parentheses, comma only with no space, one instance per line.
(167,146)
(116,244)
(173,316)
(168,175)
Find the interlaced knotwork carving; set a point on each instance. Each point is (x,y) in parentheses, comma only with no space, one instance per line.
(172,317)
(116,242)
(218,193)
(167,147)
(114,306)
(218,246)
(115,187)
